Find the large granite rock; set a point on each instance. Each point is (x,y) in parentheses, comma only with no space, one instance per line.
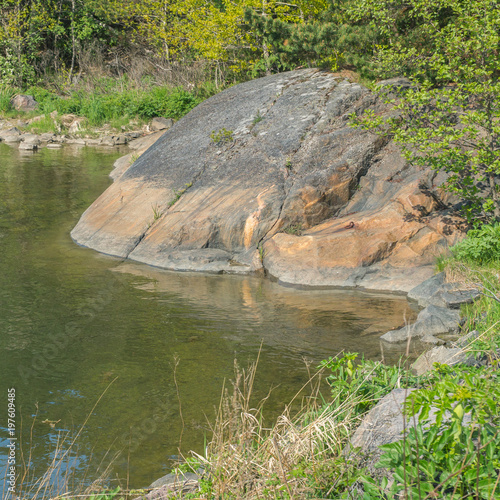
(269,173)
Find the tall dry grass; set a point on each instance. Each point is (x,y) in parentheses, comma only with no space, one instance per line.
(300,455)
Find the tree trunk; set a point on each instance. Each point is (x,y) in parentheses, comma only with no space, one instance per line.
(73,41)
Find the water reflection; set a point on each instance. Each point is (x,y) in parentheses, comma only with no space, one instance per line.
(73,321)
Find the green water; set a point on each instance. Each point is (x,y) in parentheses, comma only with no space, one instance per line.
(72,321)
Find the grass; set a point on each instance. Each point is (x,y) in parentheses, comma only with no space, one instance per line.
(157,211)
(299,456)
(178,194)
(44,125)
(115,102)
(257,118)
(295,229)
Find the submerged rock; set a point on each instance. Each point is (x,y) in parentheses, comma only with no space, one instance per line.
(269,173)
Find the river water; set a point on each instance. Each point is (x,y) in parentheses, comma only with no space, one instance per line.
(76,326)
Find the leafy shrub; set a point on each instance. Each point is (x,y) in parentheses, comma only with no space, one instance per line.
(446,457)
(480,246)
(365,382)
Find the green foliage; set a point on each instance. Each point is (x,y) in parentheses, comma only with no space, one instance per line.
(157,212)
(449,119)
(113,103)
(178,194)
(481,245)
(257,118)
(328,39)
(448,456)
(46,124)
(221,136)
(295,229)
(365,381)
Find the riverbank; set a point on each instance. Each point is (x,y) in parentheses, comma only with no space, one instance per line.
(113,112)
(355,442)
(21,134)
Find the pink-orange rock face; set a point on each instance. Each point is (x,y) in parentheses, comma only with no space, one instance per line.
(299,192)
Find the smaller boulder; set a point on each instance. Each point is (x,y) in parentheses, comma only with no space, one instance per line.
(11,135)
(160,123)
(109,140)
(424,292)
(431,321)
(24,103)
(382,425)
(120,140)
(453,299)
(30,139)
(77,125)
(67,120)
(47,137)
(442,355)
(28,146)
(173,486)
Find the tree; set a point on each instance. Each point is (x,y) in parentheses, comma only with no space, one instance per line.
(449,118)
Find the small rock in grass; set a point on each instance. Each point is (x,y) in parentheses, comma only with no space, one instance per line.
(24,103)
(442,355)
(160,123)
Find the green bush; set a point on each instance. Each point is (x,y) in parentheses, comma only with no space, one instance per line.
(110,102)
(481,245)
(450,457)
(366,382)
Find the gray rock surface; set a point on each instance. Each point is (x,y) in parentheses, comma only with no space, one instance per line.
(24,103)
(30,139)
(77,125)
(161,123)
(442,355)
(453,299)
(424,292)
(291,187)
(11,135)
(173,485)
(431,321)
(382,425)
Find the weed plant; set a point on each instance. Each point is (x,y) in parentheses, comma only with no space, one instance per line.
(221,136)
